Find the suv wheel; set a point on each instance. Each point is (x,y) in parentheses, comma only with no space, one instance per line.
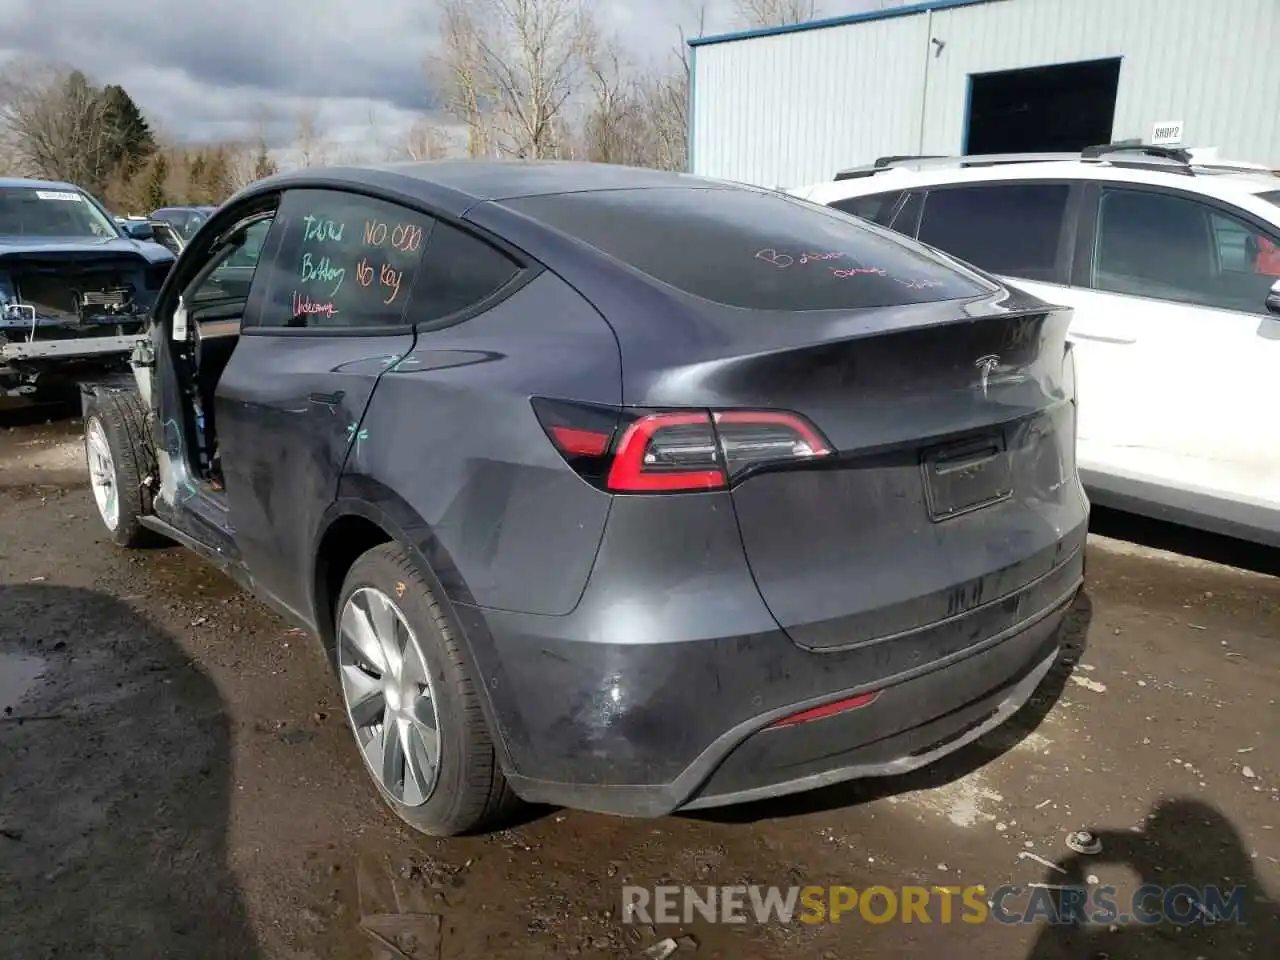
(410,701)
(119,458)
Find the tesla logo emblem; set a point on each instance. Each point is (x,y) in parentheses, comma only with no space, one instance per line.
(985,365)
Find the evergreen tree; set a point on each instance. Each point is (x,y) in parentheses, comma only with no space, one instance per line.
(155,176)
(130,140)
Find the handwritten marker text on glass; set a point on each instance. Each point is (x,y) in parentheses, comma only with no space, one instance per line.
(784,260)
(321,231)
(390,279)
(772,256)
(322,270)
(304,306)
(856,271)
(405,237)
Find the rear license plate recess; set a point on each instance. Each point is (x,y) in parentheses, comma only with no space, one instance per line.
(966,475)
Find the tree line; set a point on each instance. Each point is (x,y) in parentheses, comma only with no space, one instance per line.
(540,79)
(532,79)
(55,124)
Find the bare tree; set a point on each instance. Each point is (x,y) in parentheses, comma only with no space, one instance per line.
(774,13)
(423,140)
(612,129)
(250,159)
(509,68)
(467,89)
(641,117)
(57,124)
(310,143)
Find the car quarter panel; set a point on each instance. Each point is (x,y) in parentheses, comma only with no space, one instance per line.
(452,431)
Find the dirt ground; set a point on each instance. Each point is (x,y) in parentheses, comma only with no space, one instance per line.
(176,780)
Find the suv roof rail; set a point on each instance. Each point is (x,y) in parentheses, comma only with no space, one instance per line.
(965,160)
(1135,153)
(904,157)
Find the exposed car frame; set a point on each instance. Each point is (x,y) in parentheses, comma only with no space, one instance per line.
(103,288)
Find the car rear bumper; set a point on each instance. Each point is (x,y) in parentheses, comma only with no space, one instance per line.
(645,729)
(909,725)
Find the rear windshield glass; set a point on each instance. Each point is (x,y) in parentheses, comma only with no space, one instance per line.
(751,249)
(1271,197)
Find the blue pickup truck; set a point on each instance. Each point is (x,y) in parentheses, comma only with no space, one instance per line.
(75,284)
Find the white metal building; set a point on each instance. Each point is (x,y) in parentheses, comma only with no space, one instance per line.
(792,105)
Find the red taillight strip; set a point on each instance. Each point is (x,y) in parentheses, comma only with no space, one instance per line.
(627,473)
(584,443)
(826,710)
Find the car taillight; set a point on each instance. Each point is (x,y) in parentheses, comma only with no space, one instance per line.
(749,438)
(670,451)
(667,451)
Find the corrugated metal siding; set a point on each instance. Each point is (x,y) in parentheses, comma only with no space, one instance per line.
(781,110)
(794,108)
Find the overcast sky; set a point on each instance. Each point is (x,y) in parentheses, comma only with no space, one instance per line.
(205,70)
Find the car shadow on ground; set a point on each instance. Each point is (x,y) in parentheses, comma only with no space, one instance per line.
(26,413)
(1185,847)
(1073,639)
(115,773)
(1161,535)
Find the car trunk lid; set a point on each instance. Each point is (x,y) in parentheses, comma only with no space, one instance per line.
(951,491)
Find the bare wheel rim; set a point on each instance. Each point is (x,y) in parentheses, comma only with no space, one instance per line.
(102,472)
(389,697)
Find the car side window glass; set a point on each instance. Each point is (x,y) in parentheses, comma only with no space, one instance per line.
(1176,248)
(1244,251)
(232,277)
(907,220)
(458,272)
(344,261)
(876,207)
(1013,229)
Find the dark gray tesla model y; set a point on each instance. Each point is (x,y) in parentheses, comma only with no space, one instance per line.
(611,488)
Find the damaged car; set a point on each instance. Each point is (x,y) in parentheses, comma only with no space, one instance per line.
(75,284)
(587,517)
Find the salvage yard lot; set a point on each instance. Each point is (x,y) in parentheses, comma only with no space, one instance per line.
(180,783)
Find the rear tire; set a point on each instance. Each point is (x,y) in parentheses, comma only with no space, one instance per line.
(120,460)
(465,790)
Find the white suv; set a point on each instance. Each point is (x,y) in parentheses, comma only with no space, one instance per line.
(1173,267)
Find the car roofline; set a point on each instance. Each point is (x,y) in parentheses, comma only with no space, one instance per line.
(1217,179)
(24,183)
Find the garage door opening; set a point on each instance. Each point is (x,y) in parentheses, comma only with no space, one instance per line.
(1042,109)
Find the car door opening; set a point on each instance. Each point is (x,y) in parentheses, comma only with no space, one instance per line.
(1061,108)
(214,308)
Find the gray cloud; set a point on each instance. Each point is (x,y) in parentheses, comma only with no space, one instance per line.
(204,71)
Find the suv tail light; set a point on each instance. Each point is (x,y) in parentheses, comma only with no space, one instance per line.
(625,450)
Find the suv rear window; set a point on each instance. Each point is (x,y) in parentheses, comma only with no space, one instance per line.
(875,207)
(743,248)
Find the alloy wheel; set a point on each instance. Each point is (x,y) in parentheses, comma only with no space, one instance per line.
(386,686)
(102,472)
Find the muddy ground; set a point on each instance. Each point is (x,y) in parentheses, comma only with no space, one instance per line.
(176,779)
